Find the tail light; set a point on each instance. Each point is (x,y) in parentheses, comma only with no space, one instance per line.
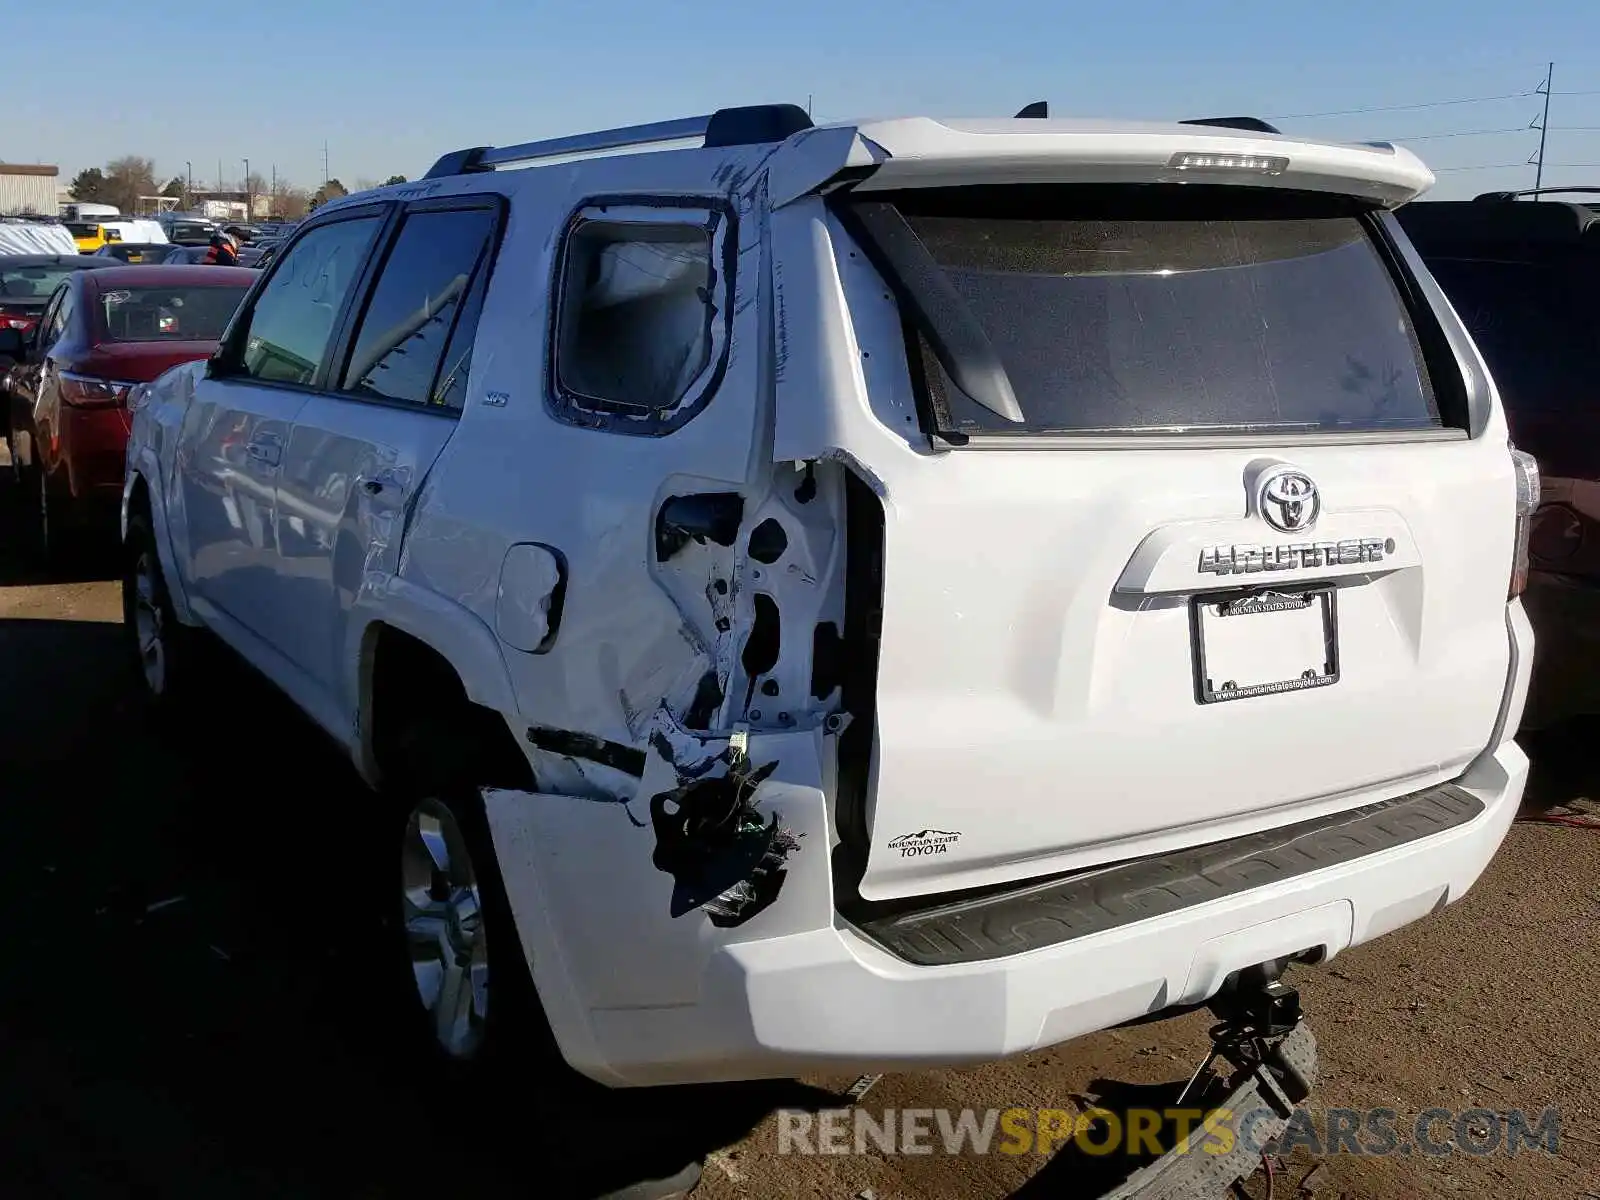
(85,391)
(1527,472)
(22,322)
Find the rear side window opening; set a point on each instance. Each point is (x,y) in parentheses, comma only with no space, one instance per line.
(641,318)
(1155,309)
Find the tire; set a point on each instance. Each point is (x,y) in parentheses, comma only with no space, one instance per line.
(499,1024)
(160,648)
(512,1045)
(52,538)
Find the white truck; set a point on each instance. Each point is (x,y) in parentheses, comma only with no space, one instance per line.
(870,595)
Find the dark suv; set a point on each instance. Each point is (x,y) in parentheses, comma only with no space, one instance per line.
(1523,272)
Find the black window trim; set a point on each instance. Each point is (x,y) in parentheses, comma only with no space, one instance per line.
(48,316)
(69,293)
(227,362)
(571,408)
(1436,345)
(349,321)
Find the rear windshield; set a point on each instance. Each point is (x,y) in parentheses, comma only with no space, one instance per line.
(169,314)
(31,283)
(1115,313)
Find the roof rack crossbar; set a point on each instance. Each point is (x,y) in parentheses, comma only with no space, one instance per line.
(682,130)
(745,125)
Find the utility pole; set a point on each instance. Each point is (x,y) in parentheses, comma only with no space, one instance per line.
(188,195)
(808,104)
(248,207)
(324,163)
(1544,129)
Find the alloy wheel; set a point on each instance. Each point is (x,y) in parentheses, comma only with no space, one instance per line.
(149,623)
(445,928)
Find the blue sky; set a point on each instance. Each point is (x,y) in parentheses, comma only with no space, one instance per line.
(389,86)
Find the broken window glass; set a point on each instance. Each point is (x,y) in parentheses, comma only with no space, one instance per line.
(637,314)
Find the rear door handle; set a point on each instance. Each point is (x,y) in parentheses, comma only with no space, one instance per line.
(267,452)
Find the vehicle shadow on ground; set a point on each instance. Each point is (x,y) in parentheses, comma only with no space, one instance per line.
(1564,764)
(89,558)
(192,1006)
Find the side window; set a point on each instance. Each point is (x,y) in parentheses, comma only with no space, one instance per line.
(292,321)
(65,306)
(641,315)
(451,389)
(424,285)
(46,335)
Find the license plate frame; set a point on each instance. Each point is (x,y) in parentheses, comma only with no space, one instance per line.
(1239,605)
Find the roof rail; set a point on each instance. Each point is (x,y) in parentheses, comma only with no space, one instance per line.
(1540,191)
(750,125)
(1253,124)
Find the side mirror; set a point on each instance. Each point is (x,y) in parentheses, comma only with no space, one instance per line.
(13,344)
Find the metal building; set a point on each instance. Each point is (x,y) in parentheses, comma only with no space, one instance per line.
(28,188)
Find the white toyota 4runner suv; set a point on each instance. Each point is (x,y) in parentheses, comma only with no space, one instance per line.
(863,596)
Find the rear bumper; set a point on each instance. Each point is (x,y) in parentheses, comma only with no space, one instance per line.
(832,999)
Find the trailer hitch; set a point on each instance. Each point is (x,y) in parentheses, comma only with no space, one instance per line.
(1257,1012)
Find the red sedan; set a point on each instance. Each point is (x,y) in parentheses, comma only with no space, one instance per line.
(102,333)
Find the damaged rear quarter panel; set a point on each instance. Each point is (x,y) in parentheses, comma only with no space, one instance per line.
(673,634)
(610,906)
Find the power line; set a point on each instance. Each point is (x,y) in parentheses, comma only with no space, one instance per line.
(1424,137)
(1351,112)
(1511,166)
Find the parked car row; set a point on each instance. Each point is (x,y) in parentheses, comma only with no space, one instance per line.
(77,333)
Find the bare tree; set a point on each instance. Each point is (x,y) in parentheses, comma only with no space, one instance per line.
(128,178)
(289,203)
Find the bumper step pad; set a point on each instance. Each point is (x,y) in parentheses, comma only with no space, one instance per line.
(1036,916)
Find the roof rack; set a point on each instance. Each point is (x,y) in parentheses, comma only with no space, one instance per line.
(751,125)
(1253,124)
(1539,191)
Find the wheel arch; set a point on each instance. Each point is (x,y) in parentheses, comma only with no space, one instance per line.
(402,672)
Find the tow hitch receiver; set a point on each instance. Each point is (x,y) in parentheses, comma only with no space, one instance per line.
(1272,1055)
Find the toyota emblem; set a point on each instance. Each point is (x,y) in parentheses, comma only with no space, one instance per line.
(1289,501)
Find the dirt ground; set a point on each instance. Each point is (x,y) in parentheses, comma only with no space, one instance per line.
(185,1012)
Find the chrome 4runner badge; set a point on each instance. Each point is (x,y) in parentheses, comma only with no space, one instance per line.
(1249,560)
